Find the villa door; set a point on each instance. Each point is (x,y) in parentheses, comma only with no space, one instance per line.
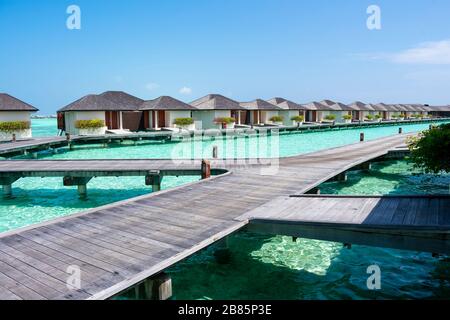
(146,117)
(112,120)
(161,118)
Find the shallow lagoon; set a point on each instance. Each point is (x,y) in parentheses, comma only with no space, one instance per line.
(262,267)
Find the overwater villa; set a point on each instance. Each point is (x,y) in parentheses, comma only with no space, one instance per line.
(113,110)
(289,111)
(14,118)
(120,112)
(164,111)
(261,112)
(214,109)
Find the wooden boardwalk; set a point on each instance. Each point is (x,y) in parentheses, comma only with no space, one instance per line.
(11,149)
(419,223)
(121,244)
(56,168)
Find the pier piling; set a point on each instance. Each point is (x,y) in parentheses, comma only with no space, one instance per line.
(154,179)
(206,169)
(222,252)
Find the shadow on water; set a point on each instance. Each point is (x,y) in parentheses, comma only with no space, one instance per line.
(69,198)
(265,267)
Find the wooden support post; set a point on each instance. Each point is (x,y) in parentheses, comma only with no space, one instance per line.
(80,182)
(82,191)
(315,190)
(222,252)
(215,152)
(206,169)
(361,137)
(342,177)
(154,179)
(7,191)
(348,245)
(158,287)
(400,130)
(7,186)
(14,137)
(364,166)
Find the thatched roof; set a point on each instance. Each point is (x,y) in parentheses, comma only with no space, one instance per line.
(361,106)
(216,102)
(9,103)
(315,106)
(259,104)
(107,101)
(165,103)
(123,98)
(286,104)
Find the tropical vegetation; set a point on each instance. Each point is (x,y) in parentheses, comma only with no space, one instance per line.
(431,150)
(89,124)
(11,126)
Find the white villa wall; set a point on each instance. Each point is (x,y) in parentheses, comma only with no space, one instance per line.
(72,116)
(266,115)
(288,114)
(172,115)
(205,118)
(6,116)
(338,114)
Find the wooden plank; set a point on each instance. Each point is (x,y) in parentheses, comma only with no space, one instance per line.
(124,243)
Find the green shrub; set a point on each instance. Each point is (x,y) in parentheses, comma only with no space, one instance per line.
(224,120)
(431,151)
(395,116)
(298,118)
(330,117)
(11,126)
(348,117)
(183,121)
(378,116)
(89,124)
(276,119)
(369,117)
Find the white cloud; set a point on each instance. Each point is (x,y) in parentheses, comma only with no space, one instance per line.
(185,90)
(434,53)
(152,86)
(425,53)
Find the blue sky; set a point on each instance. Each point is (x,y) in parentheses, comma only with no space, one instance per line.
(246,49)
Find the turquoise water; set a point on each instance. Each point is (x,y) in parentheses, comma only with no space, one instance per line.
(252,147)
(265,267)
(44,127)
(262,267)
(39,200)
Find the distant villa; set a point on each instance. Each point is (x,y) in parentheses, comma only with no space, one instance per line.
(122,111)
(14,117)
(118,111)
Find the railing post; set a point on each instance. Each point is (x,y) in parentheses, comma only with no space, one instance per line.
(206,169)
